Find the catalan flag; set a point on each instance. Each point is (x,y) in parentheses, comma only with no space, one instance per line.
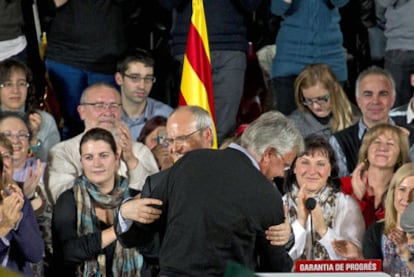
(196,84)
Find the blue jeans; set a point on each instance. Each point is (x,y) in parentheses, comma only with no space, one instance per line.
(68,83)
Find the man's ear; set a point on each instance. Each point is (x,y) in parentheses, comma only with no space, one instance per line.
(208,134)
(81,111)
(268,153)
(119,79)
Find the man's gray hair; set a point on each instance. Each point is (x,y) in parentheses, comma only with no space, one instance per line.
(93,86)
(374,70)
(202,117)
(272,129)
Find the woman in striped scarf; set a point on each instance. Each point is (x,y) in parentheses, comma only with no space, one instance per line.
(84,238)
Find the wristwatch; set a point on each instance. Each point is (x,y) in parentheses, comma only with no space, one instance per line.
(36,147)
(35,195)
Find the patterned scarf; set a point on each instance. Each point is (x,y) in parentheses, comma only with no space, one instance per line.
(126,262)
(326,198)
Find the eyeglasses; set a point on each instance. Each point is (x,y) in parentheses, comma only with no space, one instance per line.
(181,139)
(138,78)
(101,106)
(19,84)
(6,156)
(286,165)
(20,135)
(321,100)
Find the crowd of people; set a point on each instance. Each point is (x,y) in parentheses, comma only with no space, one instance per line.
(127,185)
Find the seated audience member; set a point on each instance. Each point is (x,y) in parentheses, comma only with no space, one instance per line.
(404,114)
(407,225)
(153,135)
(17,94)
(385,239)
(375,96)
(27,172)
(216,237)
(323,107)
(84,239)
(100,106)
(21,242)
(135,76)
(384,149)
(314,174)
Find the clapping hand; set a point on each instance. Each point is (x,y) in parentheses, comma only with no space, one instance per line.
(359,181)
(33,178)
(13,202)
(346,249)
(124,142)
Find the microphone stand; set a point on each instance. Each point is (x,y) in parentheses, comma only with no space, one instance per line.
(310,204)
(312,250)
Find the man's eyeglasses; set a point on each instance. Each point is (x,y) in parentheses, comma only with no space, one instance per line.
(19,84)
(101,106)
(20,135)
(321,100)
(286,165)
(138,78)
(181,139)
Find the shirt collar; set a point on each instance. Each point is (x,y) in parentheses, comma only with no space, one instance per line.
(410,112)
(244,151)
(362,128)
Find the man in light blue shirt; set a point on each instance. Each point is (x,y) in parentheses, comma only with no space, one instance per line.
(135,76)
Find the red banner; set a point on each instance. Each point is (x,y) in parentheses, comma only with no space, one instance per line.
(338,266)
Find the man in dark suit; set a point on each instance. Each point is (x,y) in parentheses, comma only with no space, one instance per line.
(217,205)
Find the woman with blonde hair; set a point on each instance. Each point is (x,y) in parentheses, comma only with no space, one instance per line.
(385,239)
(323,107)
(383,150)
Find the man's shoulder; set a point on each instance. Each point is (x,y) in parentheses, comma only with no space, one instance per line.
(351,130)
(67,146)
(156,107)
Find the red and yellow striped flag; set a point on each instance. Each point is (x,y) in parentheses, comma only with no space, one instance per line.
(196,84)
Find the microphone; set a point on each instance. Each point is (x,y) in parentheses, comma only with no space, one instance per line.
(310,204)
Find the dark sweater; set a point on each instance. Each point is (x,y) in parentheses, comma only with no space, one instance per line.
(88,34)
(11,19)
(70,249)
(216,207)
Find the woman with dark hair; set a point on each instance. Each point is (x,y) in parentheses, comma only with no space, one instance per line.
(314,174)
(17,94)
(152,135)
(84,239)
(21,244)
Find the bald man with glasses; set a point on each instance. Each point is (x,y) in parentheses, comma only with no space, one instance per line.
(100,106)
